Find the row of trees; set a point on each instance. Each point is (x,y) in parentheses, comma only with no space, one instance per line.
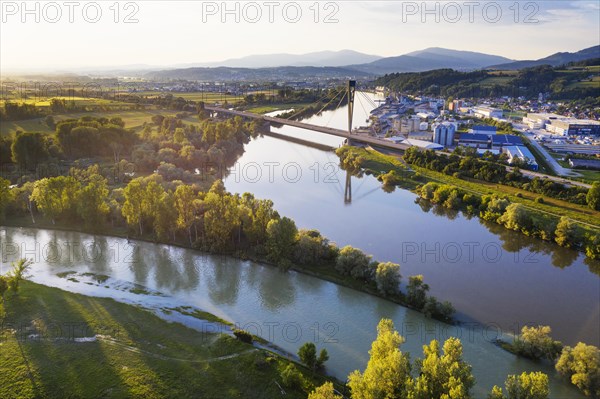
(468,165)
(441,373)
(514,216)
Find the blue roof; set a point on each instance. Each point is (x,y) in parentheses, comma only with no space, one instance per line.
(485,128)
(474,137)
(506,139)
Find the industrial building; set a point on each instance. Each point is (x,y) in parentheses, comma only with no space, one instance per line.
(502,140)
(487,112)
(562,125)
(475,140)
(443,134)
(520,153)
(483,129)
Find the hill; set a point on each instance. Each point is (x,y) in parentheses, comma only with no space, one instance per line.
(317,59)
(430,59)
(552,60)
(574,81)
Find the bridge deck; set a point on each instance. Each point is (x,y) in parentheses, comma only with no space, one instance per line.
(322,129)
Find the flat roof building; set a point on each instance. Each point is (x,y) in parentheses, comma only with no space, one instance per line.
(483,129)
(474,140)
(522,154)
(501,140)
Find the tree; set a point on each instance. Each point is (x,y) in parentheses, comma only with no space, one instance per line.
(17,274)
(387,277)
(281,237)
(525,386)
(515,217)
(443,376)
(387,374)
(3,287)
(92,204)
(311,248)
(325,391)
(536,343)
(323,357)
(581,365)
(593,196)
(353,262)
(165,220)
(5,196)
(291,377)
(221,216)
(29,149)
(308,355)
(56,196)
(185,205)
(417,291)
(133,206)
(566,233)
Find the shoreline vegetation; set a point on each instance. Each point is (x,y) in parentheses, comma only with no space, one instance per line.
(516,208)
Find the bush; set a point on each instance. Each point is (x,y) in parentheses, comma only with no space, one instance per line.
(291,377)
(243,336)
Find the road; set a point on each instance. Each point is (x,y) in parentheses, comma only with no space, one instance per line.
(558,169)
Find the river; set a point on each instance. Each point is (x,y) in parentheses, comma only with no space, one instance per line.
(285,308)
(490,274)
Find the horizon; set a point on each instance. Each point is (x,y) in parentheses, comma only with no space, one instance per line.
(207,33)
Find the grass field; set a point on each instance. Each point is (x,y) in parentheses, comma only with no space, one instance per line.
(137,355)
(132,119)
(594,83)
(496,80)
(197,96)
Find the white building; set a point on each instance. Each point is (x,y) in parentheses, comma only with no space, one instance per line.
(487,112)
(521,153)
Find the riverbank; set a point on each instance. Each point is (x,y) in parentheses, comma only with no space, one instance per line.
(60,344)
(545,211)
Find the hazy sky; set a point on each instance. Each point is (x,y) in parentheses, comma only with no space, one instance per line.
(179,32)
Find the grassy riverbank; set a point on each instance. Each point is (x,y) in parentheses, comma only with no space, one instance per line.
(548,208)
(137,355)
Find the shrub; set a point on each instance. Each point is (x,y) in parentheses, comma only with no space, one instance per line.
(291,377)
(243,336)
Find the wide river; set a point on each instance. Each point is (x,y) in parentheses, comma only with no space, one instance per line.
(496,279)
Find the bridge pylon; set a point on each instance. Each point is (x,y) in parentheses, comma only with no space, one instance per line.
(350,93)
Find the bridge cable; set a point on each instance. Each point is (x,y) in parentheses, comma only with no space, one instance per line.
(338,106)
(323,97)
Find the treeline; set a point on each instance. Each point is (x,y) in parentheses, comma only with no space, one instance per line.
(462,163)
(528,82)
(440,373)
(286,95)
(514,216)
(215,221)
